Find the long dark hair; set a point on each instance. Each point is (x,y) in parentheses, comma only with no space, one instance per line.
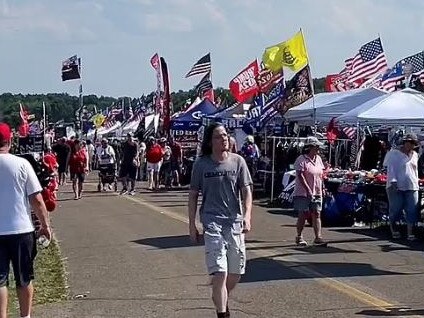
(207,138)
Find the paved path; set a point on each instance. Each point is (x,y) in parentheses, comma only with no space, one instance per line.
(130,257)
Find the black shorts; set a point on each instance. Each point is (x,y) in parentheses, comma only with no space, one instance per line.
(20,249)
(78,176)
(175,166)
(62,168)
(128,170)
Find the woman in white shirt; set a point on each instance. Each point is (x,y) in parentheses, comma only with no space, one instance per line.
(402,185)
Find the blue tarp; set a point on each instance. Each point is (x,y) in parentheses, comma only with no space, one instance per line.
(329,105)
(192,120)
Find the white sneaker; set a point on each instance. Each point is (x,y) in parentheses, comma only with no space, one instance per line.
(300,241)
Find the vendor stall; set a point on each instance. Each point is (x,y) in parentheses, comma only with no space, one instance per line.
(185,127)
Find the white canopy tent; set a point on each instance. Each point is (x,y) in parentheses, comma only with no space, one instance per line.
(404,107)
(104,130)
(330,105)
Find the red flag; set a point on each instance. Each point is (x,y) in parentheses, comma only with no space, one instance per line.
(154,61)
(332,131)
(167,95)
(244,85)
(340,83)
(267,80)
(335,83)
(209,94)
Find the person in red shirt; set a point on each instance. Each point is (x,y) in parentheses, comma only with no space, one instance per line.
(154,156)
(50,160)
(78,168)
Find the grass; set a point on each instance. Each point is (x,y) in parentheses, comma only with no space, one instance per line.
(50,279)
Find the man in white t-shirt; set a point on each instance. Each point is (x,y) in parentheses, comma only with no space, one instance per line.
(20,192)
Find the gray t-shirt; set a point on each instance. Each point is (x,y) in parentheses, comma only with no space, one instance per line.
(220,184)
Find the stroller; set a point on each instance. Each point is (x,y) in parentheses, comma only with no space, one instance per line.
(107,173)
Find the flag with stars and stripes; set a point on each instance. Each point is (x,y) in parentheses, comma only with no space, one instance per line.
(204,85)
(403,70)
(369,62)
(350,132)
(202,66)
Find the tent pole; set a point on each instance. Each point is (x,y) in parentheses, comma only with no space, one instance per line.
(273,169)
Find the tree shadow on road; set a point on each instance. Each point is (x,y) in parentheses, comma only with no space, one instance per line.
(178,241)
(267,269)
(167,242)
(382,234)
(391,312)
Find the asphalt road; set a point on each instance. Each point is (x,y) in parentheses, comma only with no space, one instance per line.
(130,256)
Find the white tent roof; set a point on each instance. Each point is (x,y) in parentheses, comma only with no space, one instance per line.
(404,107)
(329,105)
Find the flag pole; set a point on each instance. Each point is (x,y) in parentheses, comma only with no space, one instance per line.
(81,98)
(210,72)
(311,80)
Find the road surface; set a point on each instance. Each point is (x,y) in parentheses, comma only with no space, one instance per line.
(130,256)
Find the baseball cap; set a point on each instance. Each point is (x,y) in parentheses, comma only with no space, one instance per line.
(5,132)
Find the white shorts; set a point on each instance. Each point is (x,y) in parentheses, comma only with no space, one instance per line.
(225,249)
(155,167)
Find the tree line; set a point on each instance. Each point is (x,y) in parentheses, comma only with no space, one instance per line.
(63,106)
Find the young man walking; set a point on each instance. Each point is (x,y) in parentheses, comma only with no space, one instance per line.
(221,176)
(20,192)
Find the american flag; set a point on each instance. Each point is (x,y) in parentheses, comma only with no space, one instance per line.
(350,132)
(205,84)
(413,64)
(202,66)
(370,61)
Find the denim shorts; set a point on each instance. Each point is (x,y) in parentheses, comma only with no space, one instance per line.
(400,201)
(225,248)
(306,204)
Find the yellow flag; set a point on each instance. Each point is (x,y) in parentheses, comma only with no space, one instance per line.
(291,53)
(98,120)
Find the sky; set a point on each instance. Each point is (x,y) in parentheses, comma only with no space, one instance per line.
(116,38)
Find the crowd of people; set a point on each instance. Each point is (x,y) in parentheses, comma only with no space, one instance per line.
(157,161)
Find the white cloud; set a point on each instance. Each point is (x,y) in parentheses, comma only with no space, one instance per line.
(167,22)
(214,12)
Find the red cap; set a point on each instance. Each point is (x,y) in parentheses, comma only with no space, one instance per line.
(5,132)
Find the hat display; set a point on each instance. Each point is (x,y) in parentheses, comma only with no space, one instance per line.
(313,141)
(5,132)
